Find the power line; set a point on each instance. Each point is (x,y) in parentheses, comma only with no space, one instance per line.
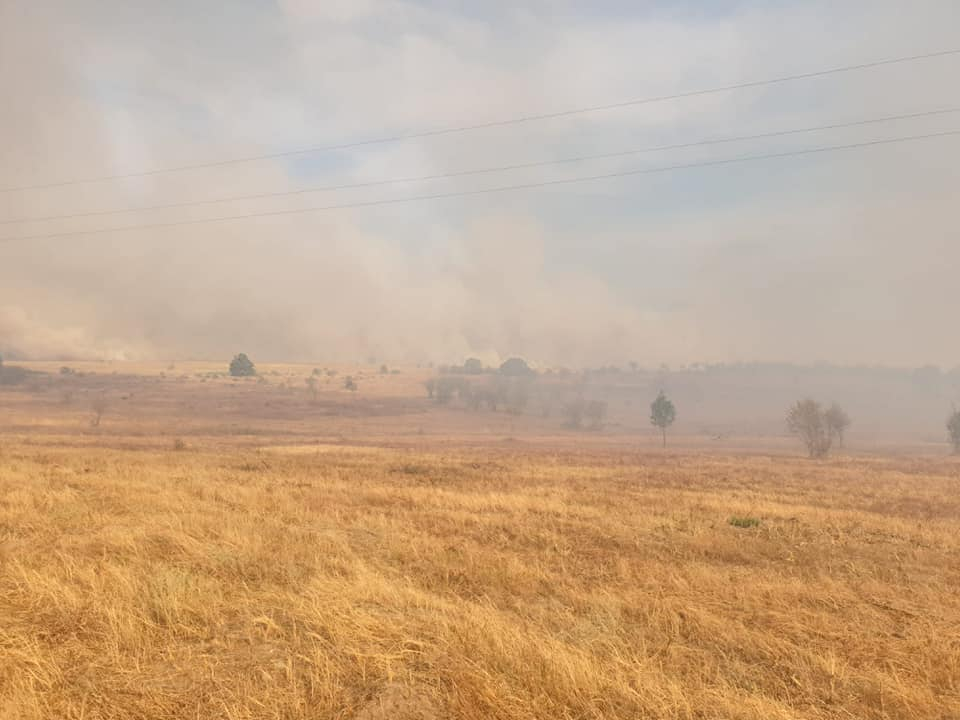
(484,191)
(489,124)
(481,171)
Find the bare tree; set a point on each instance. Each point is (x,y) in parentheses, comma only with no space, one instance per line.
(837,423)
(574,411)
(808,421)
(517,395)
(953,427)
(312,387)
(445,390)
(595,412)
(99,407)
(463,389)
(546,400)
(474,398)
(484,396)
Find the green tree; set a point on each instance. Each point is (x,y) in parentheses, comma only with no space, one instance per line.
(515,367)
(662,414)
(953,427)
(242,366)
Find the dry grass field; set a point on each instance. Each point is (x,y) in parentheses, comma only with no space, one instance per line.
(363,564)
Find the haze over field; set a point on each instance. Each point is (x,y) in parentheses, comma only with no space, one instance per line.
(845,257)
(408,360)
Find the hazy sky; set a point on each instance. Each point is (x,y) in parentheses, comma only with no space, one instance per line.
(846,257)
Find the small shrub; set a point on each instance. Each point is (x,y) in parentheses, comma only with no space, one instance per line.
(412,469)
(179,444)
(744,522)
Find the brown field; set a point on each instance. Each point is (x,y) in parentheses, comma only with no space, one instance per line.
(239,550)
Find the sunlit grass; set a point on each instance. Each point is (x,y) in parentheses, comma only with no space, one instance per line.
(327,582)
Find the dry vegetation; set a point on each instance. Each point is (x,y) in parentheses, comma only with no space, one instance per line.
(204,579)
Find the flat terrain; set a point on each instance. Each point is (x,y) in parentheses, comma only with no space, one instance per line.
(244,550)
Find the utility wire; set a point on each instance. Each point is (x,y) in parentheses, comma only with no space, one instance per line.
(481,171)
(485,191)
(489,124)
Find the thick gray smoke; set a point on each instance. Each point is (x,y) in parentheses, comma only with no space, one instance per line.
(845,257)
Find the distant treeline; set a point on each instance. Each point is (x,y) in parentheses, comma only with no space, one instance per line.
(721,398)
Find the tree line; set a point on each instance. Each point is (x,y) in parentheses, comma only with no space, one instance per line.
(820,428)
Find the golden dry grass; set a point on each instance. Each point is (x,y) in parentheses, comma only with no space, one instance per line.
(351,582)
